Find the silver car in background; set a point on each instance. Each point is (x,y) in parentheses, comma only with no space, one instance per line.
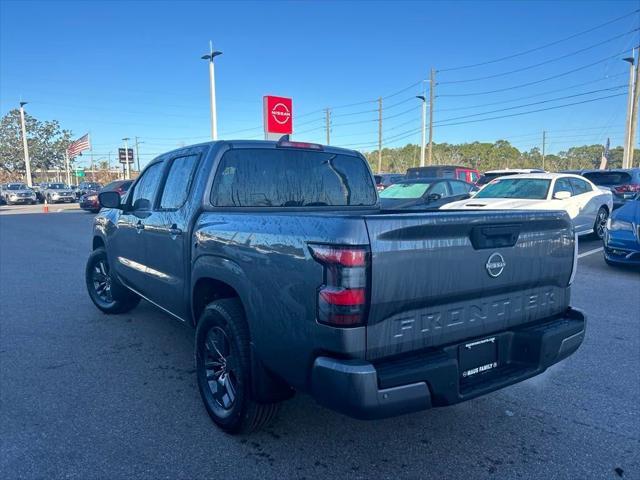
(58,193)
(13,193)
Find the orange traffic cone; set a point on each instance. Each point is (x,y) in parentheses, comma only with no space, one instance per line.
(45,207)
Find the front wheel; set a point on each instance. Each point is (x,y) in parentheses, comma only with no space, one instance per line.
(104,289)
(223,369)
(601,221)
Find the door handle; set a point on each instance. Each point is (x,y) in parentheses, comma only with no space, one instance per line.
(175,231)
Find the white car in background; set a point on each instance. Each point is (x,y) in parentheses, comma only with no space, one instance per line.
(587,205)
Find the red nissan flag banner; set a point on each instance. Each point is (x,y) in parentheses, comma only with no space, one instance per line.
(278,115)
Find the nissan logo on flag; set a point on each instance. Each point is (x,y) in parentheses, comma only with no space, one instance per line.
(278,115)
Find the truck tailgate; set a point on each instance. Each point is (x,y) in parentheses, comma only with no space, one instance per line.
(442,277)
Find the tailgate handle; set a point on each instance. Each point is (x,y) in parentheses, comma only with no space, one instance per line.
(494,237)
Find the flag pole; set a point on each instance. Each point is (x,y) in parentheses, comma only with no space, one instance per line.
(66,163)
(93,171)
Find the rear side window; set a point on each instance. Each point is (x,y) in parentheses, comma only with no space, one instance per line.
(176,187)
(608,178)
(146,187)
(291,178)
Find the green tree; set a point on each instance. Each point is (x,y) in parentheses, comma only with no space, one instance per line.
(46,139)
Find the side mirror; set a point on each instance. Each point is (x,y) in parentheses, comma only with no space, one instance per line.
(562,195)
(432,197)
(110,200)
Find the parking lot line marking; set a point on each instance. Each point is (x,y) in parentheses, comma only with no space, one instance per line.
(595,250)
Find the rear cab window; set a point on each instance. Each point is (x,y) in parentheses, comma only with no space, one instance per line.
(259,177)
(608,178)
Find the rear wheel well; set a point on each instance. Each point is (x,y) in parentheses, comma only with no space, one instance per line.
(208,290)
(97,243)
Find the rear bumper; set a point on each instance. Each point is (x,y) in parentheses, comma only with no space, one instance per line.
(432,378)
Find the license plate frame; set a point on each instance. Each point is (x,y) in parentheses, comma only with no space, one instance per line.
(477,357)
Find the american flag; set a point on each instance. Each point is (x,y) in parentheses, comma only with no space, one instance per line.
(83,143)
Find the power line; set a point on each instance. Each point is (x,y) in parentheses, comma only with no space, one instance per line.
(528,67)
(531,104)
(533,111)
(469,107)
(412,109)
(531,50)
(535,82)
(403,90)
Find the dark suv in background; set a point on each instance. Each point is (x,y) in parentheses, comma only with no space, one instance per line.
(623,183)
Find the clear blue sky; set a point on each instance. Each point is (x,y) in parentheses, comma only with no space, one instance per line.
(130,69)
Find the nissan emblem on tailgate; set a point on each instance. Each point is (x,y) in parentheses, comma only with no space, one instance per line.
(495,265)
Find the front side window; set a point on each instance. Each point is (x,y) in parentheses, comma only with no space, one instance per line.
(145,189)
(459,188)
(562,185)
(440,188)
(525,188)
(176,187)
(281,177)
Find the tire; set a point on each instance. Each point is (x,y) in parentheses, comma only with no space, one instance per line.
(223,369)
(105,291)
(600,222)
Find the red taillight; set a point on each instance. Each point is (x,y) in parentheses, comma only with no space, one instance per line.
(342,298)
(344,256)
(627,188)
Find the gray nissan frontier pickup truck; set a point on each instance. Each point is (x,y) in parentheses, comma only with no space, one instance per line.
(295,279)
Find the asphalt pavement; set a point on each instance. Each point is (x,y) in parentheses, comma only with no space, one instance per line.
(85,395)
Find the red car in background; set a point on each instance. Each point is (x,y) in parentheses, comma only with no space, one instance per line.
(89,201)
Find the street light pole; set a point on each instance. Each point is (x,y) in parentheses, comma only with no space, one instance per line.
(424,127)
(138,154)
(212,87)
(628,140)
(127,175)
(27,162)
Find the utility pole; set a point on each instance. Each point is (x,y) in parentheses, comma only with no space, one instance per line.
(27,162)
(634,111)
(212,88)
(423,126)
(138,154)
(432,84)
(627,158)
(380,135)
(328,124)
(544,144)
(127,175)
